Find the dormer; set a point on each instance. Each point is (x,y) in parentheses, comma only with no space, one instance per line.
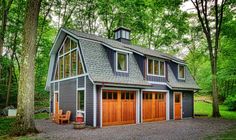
(122,34)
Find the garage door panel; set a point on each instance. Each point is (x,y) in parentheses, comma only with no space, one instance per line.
(119,109)
(154,106)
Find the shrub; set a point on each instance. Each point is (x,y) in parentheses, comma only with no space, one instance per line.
(230,102)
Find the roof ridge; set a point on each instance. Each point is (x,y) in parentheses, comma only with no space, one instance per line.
(131,46)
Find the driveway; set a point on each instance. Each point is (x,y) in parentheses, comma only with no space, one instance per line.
(197,128)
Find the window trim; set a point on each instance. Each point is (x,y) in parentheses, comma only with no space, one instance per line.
(80,111)
(154,59)
(179,73)
(127,62)
(78,54)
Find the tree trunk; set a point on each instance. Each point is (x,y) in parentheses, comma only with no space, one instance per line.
(25,104)
(215,105)
(9,84)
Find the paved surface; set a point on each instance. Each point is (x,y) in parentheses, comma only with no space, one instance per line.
(197,128)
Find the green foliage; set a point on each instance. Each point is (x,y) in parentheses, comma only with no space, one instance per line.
(231,102)
(206,108)
(5,125)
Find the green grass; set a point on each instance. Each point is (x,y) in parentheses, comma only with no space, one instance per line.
(227,135)
(6,124)
(206,108)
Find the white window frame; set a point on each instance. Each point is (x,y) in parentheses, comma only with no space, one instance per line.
(127,62)
(159,66)
(78,54)
(179,73)
(80,111)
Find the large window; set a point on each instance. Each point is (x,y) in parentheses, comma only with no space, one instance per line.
(181,72)
(156,67)
(122,62)
(69,61)
(80,100)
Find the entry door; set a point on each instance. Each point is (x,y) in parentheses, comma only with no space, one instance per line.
(178,105)
(56,104)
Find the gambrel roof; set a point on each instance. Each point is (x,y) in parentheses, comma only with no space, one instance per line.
(100,70)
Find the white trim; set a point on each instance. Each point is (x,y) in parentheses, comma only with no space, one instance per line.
(73,77)
(181,94)
(182,63)
(167,101)
(153,67)
(184,72)
(137,106)
(94,106)
(85,95)
(100,107)
(123,85)
(54,108)
(160,83)
(127,62)
(114,88)
(141,108)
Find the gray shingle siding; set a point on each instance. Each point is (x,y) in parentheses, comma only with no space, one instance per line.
(111,57)
(89,102)
(51,98)
(140,60)
(80,82)
(187,104)
(159,87)
(67,97)
(156,78)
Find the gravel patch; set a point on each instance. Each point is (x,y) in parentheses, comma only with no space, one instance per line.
(197,128)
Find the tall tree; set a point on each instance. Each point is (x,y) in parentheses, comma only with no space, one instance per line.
(25,105)
(207,11)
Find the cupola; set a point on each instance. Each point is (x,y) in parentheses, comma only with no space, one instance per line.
(122,34)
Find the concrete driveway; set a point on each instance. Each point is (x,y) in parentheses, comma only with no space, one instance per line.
(197,128)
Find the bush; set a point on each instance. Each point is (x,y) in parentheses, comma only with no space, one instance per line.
(230,102)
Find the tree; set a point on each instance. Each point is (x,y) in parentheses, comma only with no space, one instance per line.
(204,9)
(25,105)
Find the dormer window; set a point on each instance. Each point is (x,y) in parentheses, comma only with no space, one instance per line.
(156,67)
(181,72)
(121,62)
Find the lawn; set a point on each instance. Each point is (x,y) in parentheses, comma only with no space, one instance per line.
(6,124)
(206,108)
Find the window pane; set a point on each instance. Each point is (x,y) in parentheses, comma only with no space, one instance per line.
(73,44)
(73,63)
(150,66)
(56,73)
(177,98)
(127,35)
(162,68)
(123,34)
(118,34)
(122,62)
(181,72)
(67,65)
(67,45)
(156,67)
(122,95)
(115,35)
(114,95)
(109,95)
(104,95)
(127,95)
(61,51)
(80,68)
(80,100)
(132,96)
(61,67)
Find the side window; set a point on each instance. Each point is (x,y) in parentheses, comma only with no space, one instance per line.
(181,72)
(122,62)
(80,100)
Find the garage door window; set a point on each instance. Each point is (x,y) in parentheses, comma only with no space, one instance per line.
(147,96)
(159,96)
(109,95)
(127,95)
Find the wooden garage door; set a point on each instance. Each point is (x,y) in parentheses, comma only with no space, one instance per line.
(154,106)
(118,107)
